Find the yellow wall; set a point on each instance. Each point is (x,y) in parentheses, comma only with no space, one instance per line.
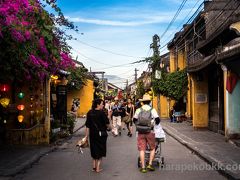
(200,110)
(154,102)
(172,63)
(164,106)
(86,98)
(181,60)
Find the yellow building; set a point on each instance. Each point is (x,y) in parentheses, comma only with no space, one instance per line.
(162,104)
(178,62)
(85,95)
(181,56)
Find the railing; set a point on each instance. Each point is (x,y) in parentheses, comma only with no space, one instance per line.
(30,136)
(194,58)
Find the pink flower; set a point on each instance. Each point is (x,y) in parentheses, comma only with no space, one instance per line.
(34,60)
(27,35)
(25,23)
(17,36)
(66,61)
(41,42)
(43,63)
(42,46)
(9,20)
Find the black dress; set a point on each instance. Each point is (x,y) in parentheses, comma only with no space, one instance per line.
(97,121)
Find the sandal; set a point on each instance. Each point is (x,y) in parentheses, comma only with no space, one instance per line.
(93,169)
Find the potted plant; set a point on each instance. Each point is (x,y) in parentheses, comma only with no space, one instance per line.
(71,122)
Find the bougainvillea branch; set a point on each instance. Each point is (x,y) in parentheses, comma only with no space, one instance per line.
(32,44)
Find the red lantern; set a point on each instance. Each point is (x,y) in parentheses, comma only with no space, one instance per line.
(4,87)
(20,107)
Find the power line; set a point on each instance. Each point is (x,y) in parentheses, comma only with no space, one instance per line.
(175,16)
(111,52)
(164,42)
(109,65)
(90,58)
(210,21)
(119,66)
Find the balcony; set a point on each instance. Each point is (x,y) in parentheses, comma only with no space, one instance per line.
(196,61)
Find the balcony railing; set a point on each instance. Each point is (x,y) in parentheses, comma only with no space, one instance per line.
(196,61)
(194,58)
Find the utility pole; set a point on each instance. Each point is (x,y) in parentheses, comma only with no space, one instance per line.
(136,70)
(155,46)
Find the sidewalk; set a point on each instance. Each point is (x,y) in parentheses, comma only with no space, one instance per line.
(210,146)
(14,159)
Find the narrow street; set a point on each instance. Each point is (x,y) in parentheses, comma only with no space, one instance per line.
(121,163)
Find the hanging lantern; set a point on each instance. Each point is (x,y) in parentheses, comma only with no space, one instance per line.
(4,102)
(31,97)
(20,107)
(21,95)
(31,105)
(4,87)
(54,77)
(20,118)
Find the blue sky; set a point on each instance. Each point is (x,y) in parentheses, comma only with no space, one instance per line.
(118,32)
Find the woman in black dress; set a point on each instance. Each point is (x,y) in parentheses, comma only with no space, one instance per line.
(97,124)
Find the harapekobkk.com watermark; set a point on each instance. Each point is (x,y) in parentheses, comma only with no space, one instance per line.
(201,167)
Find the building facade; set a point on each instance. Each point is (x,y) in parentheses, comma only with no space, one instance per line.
(209,46)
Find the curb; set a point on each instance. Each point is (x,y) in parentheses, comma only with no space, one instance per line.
(27,164)
(79,128)
(202,155)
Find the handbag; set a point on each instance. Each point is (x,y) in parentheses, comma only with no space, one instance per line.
(128,118)
(101,133)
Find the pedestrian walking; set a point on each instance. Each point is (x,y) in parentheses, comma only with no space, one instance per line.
(116,118)
(97,125)
(143,118)
(129,112)
(171,115)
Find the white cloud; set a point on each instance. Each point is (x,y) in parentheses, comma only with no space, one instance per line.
(154,20)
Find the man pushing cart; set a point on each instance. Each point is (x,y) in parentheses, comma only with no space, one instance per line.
(144,119)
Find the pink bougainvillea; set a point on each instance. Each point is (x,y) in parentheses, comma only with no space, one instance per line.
(26,25)
(66,61)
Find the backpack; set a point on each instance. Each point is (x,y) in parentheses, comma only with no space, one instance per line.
(144,124)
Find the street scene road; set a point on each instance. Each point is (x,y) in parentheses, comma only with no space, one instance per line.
(121,162)
(76,69)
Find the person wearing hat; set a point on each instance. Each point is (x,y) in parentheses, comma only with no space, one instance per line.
(146,135)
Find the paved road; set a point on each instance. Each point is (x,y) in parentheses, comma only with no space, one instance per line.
(121,163)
